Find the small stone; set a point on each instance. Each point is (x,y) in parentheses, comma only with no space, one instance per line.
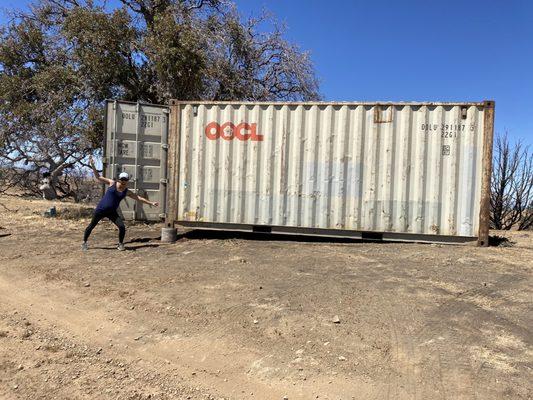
(132,308)
(256,321)
(326,343)
(342,358)
(20,367)
(15,387)
(86,284)
(137,338)
(285,397)
(26,334)
(336,319)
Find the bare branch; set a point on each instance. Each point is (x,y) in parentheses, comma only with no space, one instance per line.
(511,186)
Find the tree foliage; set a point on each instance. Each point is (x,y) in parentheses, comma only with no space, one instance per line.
(63,58)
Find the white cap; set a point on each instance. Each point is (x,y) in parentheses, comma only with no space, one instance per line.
(124,175)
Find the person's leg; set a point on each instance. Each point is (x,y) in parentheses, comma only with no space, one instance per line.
(115,218)
(97,216)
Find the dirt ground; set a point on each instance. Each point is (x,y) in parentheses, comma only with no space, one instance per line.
(247,316)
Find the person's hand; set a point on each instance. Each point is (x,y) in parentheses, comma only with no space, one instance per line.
(154,203)
(91,161)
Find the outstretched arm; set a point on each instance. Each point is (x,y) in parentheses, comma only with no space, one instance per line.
(97,174)
(141,199)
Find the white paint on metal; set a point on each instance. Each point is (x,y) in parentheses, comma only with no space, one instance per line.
(404,168)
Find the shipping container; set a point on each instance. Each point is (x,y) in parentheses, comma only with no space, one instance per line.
(136,143)
(394,171)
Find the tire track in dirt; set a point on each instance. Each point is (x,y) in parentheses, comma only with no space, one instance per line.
(446,362)
(451,336)
(401,378)
(71,314)
(402,382)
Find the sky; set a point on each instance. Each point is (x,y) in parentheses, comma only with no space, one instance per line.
(418,50)
(414,50)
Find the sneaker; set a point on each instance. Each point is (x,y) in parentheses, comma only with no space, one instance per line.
(85,246)
(121,247)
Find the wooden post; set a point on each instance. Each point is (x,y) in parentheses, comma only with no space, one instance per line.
(173,164)
(484,211)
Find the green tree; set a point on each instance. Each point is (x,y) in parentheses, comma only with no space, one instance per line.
(63,58)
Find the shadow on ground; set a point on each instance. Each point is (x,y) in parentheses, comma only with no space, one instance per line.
(128,248)
(198,234)
(500,241)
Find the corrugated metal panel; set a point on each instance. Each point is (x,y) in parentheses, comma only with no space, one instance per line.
(408,168)
(136,143)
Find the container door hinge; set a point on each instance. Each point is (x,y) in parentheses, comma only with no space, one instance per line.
(166,110)
(163,180)
(164,146)
(163,216)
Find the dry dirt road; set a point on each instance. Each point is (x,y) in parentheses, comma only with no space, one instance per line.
(218,316)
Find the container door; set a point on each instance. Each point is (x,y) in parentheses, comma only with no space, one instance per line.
(136,142)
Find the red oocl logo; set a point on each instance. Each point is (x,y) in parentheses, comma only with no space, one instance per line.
(230,131)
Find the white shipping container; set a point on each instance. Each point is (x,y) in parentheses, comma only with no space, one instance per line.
(404,171)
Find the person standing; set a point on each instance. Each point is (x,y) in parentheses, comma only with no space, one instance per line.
(109,203)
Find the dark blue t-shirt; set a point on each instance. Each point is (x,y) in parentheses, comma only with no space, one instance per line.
(111,199)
